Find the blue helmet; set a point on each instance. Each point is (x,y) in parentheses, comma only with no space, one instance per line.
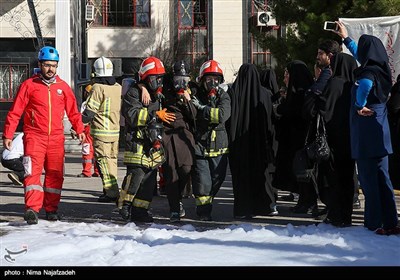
(48,53)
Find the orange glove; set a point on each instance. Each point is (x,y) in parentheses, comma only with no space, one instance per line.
(165,116)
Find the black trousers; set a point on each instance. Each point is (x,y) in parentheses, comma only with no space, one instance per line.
(175,181)
(16,166)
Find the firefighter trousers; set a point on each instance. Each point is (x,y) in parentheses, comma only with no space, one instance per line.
(208,174)
(106,154)
(138,186)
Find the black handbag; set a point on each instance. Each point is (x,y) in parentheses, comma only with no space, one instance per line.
(318,150)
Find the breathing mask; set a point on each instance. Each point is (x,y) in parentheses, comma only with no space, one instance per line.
(155,82)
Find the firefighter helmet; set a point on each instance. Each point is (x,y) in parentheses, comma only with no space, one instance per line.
(151,66)
(181,68)
(48,53)
(210,67)
(103,67)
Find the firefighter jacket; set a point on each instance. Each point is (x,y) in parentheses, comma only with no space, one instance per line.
(211,137)
(44,106)
(103,109)
(138,147)
(178,136)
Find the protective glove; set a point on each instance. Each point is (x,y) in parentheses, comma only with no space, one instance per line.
(197,104)
(165,116)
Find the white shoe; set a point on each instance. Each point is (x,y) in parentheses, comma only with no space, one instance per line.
(14,178)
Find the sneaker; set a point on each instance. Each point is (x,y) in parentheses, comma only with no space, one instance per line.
(175,217)
(52,216)
(14,178)
(83,176)
(182,211)
(95,175)
(31,217)
(274,212)
(105,198)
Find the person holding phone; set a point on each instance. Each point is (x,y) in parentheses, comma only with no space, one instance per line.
(369,130)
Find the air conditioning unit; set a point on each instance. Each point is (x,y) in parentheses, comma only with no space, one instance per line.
(265,19)
(89,12)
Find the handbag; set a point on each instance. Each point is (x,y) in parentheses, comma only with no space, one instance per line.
(318,150)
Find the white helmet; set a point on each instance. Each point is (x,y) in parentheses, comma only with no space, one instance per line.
(103,67)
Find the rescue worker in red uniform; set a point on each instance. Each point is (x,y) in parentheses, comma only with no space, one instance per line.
(43,98)
(88,159)
(213,106)
(143,153)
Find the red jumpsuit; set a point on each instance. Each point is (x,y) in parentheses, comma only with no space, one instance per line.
(88,155)
(43,106)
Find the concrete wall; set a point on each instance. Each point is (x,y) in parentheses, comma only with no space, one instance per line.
(133,42)
(16,20)
(228,36)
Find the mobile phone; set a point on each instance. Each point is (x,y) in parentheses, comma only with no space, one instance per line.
(331,25)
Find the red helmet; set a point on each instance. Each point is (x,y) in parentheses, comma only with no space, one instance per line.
(211,67)
(151,66)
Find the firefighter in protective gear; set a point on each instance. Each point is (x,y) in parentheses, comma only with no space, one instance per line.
(178,138)
(87,147)
(103,113)
(141,157)
(213,110)
(43,99)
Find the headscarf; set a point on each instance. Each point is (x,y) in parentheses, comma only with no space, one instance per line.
(246,94)
(268,80)
(343,66)
(374,65)
(300,78)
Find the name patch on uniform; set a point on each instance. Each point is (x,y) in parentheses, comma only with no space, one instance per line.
(59,91)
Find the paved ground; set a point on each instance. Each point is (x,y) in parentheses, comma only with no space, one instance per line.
(79,203)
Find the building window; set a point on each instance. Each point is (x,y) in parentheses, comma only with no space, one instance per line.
(11,76)
(122,13)
(192,43)
(259,56)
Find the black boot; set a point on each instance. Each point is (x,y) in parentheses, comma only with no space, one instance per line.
(139,214)
(125,210)
(204,212)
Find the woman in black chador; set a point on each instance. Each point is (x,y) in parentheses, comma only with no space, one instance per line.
(393,106)
(291,127)
(250,133)
(334,105)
